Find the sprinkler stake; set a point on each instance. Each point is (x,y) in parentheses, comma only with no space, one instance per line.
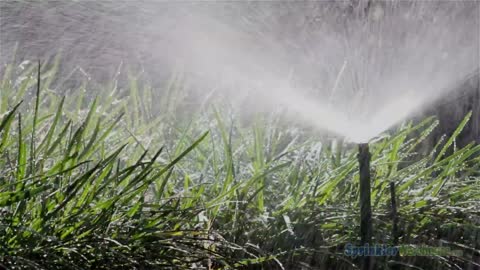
(365,203)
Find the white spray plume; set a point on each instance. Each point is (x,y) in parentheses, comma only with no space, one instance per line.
(367,72)
(353,68)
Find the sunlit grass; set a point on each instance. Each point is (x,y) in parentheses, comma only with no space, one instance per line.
(111,181)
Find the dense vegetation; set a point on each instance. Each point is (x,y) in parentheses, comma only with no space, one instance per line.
(121,181)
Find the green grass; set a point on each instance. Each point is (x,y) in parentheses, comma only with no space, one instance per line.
(117,182)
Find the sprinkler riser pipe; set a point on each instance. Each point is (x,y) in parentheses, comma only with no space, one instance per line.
(365,194)
(366,227)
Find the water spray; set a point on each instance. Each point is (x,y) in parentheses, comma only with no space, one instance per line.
(366,228)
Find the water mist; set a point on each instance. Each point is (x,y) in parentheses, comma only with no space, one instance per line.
(354,70)
(354,77)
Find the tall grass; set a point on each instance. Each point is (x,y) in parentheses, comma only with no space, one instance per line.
(112,182)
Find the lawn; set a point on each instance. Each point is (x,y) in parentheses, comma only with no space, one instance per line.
(121,180)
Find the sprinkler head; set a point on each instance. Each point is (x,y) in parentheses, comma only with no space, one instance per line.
(363,152)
